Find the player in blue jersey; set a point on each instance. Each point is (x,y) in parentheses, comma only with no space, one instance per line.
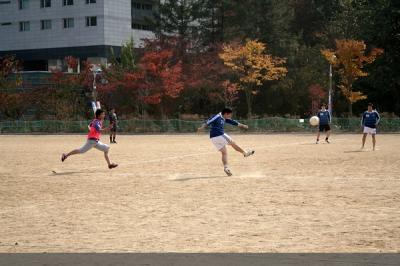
(220,139)
(369,121)
(324,123)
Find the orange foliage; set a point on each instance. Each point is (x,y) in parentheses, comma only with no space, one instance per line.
(252,65)
(349,59)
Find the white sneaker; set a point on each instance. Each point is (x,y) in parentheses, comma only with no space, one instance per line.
(227,171)
(248,153)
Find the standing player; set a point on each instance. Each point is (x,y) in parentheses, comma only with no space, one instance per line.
(93,140)
(220,139)
(369,121)
(113,125)
(324,123)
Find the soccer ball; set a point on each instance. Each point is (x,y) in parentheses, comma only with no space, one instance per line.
(314,121)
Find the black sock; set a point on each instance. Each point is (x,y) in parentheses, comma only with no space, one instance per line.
(326,138)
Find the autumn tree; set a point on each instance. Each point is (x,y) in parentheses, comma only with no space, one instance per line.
(12,103)
(317,94)
(253,66)
(160,79)
(349,59)
(9,65)
(68,93)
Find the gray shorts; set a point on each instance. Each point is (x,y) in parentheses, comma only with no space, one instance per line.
(90,143)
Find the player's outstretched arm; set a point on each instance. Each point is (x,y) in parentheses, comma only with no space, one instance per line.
(243,126)
(203,126)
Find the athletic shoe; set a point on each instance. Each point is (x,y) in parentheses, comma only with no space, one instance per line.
(327,141)
(113,165)
(317,142)
(248,153)
(114,142)
(227,171)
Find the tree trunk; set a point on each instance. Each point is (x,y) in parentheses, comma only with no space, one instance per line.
(248,101)
(350,109)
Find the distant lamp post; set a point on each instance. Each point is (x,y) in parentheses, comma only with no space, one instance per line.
(330,86)
(96,69)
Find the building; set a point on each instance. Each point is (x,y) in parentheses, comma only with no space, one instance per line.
(43,32)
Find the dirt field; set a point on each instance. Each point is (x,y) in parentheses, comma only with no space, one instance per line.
(170,194)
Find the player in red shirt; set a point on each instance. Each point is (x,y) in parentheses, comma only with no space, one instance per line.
(93,140)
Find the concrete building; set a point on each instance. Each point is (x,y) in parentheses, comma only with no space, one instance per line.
(43,32)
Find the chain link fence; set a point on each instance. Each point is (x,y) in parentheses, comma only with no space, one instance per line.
(274,124)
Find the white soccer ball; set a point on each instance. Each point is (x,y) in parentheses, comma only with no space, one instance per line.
(314,121)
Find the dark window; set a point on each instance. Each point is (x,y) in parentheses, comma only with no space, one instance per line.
(68,23)
(68,2)
(138,26)
(45,24)
(90,1)
(23,4)
(137,5)
(45,3)
(24,26)
(6,24)
(5,2)
(91,21)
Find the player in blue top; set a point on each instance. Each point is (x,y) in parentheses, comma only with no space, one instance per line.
(369,121)
(324,123)
(220,139)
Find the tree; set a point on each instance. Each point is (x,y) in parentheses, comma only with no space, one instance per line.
(116,90)
(349,59)
(252,66)
(316,95)
(8,66)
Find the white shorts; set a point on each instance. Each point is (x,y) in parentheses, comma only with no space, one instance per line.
(221,141)
(90,143)
(368,130)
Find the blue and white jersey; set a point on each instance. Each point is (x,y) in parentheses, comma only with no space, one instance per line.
(370,119)
(324,117)
(216,124)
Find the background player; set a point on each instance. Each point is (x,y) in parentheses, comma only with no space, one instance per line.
(93,140)
(324,123)
(220,139)
(369,121)
(113,125)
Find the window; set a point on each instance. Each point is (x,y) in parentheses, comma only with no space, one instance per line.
(68,2)
(45,3)
(24,26)
(90,1)
(6,24)
(45,24)
(138,26)
(142,6)
(23,4)
(91,21)
(68,23)
(5,2)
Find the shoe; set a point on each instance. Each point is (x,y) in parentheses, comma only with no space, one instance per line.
(63,157)
(327,141)
(248,153)
(114,142)
(227,171)
(317,142)
(113,165)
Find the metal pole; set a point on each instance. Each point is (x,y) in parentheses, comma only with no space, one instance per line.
(94,86)
(330,90)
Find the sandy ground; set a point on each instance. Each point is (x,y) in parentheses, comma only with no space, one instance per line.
(170,194)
